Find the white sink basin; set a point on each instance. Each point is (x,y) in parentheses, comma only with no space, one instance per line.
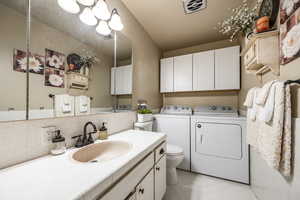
(103,151)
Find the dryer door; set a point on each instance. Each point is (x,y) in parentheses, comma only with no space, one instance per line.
(219,140)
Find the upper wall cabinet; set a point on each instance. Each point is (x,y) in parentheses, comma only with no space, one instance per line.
(227,68)
(121,80)
(183,73)
(167,75)
(204,71)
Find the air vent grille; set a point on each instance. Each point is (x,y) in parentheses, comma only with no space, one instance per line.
(191,6)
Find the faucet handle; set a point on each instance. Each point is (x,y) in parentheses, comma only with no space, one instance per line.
(79,141)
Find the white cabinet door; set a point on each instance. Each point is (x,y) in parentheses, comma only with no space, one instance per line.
(127,79)
(227,68)
(183,73)
(160,178)
(112,81)
(166,75)
(145,190)
(121,80)
(204,71)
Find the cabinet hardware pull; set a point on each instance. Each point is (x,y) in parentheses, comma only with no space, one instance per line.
(199,126)
(162,151)
(142,190)
(157,168)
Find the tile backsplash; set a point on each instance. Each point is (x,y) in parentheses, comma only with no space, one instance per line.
(23,140)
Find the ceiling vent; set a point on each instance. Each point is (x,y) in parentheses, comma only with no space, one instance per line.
(191,6)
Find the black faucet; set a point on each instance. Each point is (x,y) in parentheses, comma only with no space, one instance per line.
(86,140)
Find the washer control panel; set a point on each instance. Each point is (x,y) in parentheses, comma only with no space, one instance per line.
(176,110)
(216,111)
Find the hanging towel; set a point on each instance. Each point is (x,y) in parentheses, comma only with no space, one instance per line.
(251,104)
(274,141)
(63,103)
(267,111)
(83,104)
(250,97)
(286,154)
(263,93)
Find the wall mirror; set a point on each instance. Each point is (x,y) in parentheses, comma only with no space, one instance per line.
(71,65)
(13,61)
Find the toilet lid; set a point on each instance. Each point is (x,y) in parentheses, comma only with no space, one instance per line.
(174,150)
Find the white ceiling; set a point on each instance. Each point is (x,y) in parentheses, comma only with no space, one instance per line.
(171,28)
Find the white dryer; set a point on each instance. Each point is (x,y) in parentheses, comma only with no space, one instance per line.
(175,122)
(218,143)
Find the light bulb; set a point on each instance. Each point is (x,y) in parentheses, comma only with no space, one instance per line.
(103,28)
(115,22)
(86,2)
(70,6)
(88,17)
(101,11)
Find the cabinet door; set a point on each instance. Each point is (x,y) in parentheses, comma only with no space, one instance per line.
(183,73)
(127,79)
(119,80)
(160,178)
(112,81)
(145,190)
(166,75)
(204,71)
(227,68)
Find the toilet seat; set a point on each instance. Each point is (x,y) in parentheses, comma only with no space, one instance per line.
(173,150)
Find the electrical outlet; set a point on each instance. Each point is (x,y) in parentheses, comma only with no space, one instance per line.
(47,135)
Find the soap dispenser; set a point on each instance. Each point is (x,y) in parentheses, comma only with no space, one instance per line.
(59,144)
(103,135)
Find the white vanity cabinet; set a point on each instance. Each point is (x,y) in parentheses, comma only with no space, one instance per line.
(227,68)
(167,75)
(217,69)
(145,190)
(147,179)
(160,178)
(121,80)
(204,71)
(183,73)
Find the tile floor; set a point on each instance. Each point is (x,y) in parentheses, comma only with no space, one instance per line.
(199,187)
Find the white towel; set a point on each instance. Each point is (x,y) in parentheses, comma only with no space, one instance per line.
(252,107)
(266,112)
(263,93)
(250,97)
(64,102)
(83,104)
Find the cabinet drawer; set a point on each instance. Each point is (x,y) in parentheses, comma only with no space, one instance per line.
(250,55)
(160,151)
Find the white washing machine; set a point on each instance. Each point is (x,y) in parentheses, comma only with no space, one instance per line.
(218,143)
(175,122)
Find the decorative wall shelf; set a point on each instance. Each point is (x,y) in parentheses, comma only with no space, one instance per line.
(261,54)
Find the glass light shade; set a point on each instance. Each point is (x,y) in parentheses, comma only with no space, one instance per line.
(88,17)
(103,28)
(70,6)
(101,11)
(115,22)
(86,2)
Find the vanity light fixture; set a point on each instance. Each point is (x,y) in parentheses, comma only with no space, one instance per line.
(70,6)
(101,11)
(115,21)
(86,2)
(88,17)
(103,28)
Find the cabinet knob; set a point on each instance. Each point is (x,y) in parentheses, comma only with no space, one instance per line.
(199,126)
(162,151)
(141,190)
(157,168)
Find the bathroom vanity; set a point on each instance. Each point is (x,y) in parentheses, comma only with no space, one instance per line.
(130,165)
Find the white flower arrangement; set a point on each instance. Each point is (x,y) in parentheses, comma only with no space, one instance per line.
(241,20)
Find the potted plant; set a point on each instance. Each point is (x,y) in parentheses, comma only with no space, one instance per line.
(144,115)
(242,21)
(87,62)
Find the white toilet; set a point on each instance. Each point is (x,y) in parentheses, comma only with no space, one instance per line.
(174,154)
